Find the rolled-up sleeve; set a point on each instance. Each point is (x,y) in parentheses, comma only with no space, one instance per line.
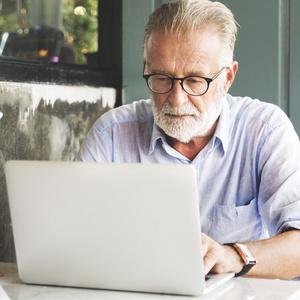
(279,190)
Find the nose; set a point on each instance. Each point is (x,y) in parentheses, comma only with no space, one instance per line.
(178,96)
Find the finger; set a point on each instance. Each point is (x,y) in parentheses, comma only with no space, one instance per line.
(208,262)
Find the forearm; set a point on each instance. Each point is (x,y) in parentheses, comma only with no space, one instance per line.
(277,257)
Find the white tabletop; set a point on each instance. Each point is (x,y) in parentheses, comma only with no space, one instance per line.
(236,289)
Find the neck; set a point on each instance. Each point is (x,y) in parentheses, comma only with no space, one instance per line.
(191,149)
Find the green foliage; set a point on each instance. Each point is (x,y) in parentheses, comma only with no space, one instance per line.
(81,29)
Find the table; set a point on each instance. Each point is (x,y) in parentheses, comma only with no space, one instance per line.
(236,289)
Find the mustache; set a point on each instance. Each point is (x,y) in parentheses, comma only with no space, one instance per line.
(186,110)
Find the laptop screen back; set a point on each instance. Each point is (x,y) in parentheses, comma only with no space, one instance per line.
(129,227)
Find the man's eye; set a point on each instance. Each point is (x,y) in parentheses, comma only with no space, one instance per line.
(194,80)
(161,79)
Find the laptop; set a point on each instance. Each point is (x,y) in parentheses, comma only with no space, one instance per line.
(128,227)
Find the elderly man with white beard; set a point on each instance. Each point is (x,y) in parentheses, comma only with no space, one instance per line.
(245,152)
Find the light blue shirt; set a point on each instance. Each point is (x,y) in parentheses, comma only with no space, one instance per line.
(248,174)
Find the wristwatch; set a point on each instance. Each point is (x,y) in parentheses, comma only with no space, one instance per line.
(246,256)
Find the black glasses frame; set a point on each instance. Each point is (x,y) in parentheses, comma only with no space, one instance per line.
(208,80)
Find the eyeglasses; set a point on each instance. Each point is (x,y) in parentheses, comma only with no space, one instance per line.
(193,85)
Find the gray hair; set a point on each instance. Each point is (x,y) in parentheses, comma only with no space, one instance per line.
(185,16)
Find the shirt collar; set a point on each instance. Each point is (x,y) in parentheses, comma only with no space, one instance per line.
(222,128)
(221,132)
(157,134)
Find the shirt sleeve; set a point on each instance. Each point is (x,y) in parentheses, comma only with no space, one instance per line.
(279,172)
(97,146)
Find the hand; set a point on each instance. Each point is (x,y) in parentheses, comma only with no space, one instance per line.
(218,258)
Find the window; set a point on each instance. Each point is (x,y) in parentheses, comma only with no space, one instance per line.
(63,31)
(62,41)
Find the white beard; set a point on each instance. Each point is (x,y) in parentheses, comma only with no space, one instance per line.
(187,128)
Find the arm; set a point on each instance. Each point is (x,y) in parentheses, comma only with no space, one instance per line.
(278,174)
(96,147)
(277,257)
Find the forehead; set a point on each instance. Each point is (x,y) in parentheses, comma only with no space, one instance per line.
(179,54)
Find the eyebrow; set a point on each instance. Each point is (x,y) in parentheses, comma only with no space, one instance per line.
(156,71)
(172,75)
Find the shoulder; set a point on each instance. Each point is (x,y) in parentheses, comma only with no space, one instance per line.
(256,112)
(136,112)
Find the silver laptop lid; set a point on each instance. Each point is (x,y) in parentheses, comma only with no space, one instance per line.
(129,227)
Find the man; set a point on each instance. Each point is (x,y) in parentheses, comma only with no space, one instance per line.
(245,152)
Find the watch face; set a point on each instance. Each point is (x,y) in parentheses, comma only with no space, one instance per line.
(245,253)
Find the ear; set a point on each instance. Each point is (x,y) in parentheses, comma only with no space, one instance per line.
(231,71)
(145,67)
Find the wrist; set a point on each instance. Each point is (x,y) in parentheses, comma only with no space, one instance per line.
(246,259)
(235,261)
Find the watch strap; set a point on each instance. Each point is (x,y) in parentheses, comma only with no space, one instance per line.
(244,271)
